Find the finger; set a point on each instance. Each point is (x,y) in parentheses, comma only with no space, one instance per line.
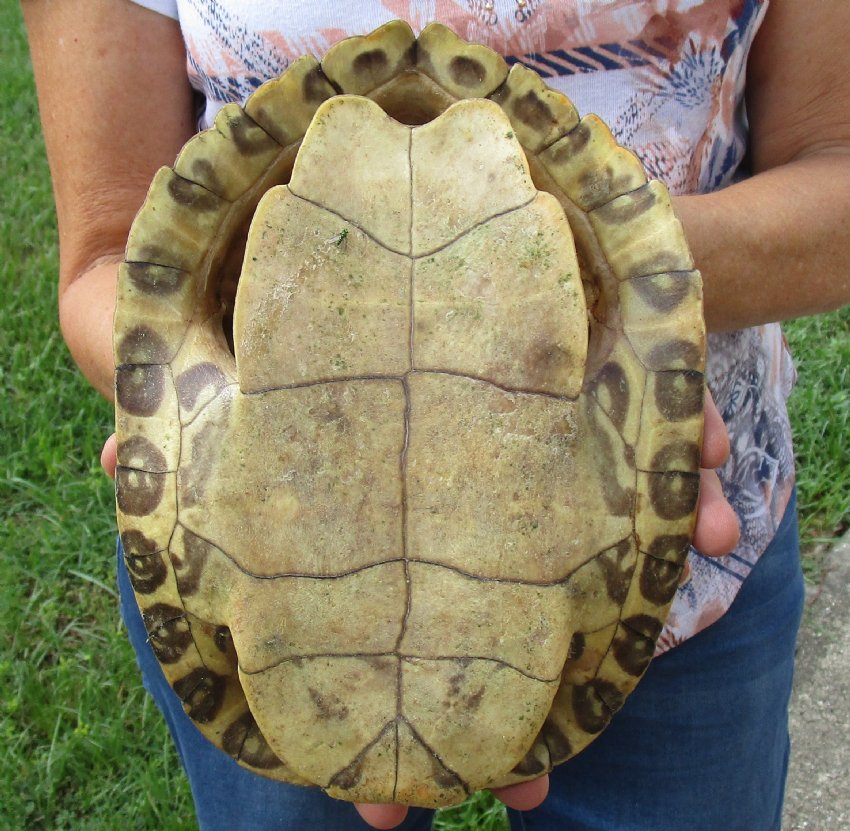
(526,795)
(109,456)
(382,816)
(715,440)
(717,531)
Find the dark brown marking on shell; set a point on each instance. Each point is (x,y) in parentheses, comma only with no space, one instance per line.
(543,361)
(673,494)
(422,59)
(349,776)
(617,570)
(619,500)
(140,390)
(669,354)
(614,381)
(371,63)
(328,705)
(380,662)
(467,72)
(664,292)
(314,86)
(168,632)
(443,777)
(573,142)
(531,110)
(529,765)
(223,640)
(138,492)
(473,700)
(249,138)
(142,345)
(191,383)
(191,195)
(156,280)
(628,207)
(158,255)
(659,580)
(140,453)
(202,693)
(678,455)
(189,567)
(136,544)
(632,651)
(203,170)
(577,646)
(598,183)
(243,741)
(671,547)
(662,260)
(559,746)
(146,566)
(192,479)
(647,626)
(590,704)
(679,394)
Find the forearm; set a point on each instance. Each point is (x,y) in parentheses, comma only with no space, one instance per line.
(86,310)
(776,246)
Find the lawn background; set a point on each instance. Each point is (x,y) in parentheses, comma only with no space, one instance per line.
(82,746)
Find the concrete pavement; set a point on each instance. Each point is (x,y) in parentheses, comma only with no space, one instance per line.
(818,792)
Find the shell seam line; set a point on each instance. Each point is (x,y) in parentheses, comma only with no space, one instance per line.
(433,753)
(191,421)
(407,254)
(300,575)
(358,759)
(401,658)
(402,378)
(282,575)
(403,465)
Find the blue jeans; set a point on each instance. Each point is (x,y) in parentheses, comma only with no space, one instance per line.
(702,744)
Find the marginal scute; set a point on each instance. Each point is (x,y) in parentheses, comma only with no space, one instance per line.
(229,157)
(591,707)
(138,492)
(465,70)
(202,693)
(590,166)
(631,652)
(284,107)
(360,64)
(147,407)
(168,632)
(244,741)
(539,115)
(147,567)
(678,395)
(640,234)
(156,280)
(165,298)
(177,223)
(139,453)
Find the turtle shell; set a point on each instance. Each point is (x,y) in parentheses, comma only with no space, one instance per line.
(409,418)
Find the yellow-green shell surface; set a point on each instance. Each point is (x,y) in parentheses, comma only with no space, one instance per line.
(404,518)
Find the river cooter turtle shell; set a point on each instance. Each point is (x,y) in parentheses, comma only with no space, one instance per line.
(409,410)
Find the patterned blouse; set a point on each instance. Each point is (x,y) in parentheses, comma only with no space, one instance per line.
(668,77)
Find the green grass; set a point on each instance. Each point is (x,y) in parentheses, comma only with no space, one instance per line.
(82,746)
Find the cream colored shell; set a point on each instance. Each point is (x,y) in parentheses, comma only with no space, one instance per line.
(405,495)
